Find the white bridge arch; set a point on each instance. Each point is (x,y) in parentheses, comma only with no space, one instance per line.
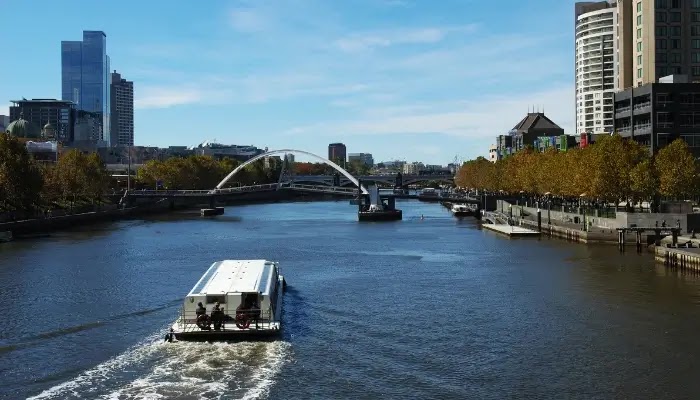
(285,151)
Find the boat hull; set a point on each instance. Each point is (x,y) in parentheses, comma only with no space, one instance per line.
(386,215)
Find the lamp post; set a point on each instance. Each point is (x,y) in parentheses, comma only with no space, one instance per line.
(510,218)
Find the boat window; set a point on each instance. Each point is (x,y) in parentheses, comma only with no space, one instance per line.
(211,299)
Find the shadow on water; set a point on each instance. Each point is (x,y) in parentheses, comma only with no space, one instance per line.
(31,340)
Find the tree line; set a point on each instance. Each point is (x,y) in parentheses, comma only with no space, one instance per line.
(28,186)
(204,172)
(611,170)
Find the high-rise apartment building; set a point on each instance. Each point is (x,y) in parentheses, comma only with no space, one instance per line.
(122,113)
(337,152)
(85,78)
(596,61)
(658,38)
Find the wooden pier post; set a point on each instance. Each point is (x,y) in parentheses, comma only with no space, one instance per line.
(539,220)
(674,234)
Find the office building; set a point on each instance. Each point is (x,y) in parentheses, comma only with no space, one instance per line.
(534,125)
(658,38)
(233,151)
(596,59)
(4,122)
(59,114)
(337,153)
(85,78)
(122,111)
(656,114)
(365,158)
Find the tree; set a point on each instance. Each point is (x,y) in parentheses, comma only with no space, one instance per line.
(676,170)
(643,181)
(20,178)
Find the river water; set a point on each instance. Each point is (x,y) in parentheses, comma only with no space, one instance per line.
(422,308)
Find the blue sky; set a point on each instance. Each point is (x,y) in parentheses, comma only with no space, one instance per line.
(402,79)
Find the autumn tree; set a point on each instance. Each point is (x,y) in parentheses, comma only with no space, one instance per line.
(676,170)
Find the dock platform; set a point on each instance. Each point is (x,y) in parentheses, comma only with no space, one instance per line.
(510,230)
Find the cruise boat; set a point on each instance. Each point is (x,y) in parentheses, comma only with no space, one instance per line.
(233,300)
(461,210)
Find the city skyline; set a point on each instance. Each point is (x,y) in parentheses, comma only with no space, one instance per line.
(399,79)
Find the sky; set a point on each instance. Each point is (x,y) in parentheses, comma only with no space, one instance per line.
(414,80)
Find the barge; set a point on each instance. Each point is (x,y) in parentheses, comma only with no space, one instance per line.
(233,300)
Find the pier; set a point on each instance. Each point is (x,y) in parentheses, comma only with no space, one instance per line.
(510,230)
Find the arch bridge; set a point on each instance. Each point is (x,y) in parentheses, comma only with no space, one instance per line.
(341,170)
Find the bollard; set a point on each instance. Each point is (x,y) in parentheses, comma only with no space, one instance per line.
(539,220)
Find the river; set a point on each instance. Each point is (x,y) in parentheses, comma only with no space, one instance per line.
(421,308)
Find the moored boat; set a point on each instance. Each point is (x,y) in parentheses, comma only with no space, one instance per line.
(233,300)
(461,210)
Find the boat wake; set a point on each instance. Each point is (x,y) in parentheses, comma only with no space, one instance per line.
(158,370)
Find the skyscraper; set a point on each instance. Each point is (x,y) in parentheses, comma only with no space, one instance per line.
(122,113)
(337,153)
(85,78)
(658,38)
(596,59)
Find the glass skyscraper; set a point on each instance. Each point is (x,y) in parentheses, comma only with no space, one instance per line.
(85,78)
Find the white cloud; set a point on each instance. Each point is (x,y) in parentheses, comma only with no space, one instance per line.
(164,97)
(357,42)
(485,118)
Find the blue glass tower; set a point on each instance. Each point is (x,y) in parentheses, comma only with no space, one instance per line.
(85,78)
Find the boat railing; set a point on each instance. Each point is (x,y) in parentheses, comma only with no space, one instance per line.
(259,319)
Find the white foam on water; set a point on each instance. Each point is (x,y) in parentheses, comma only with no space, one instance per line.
(180,370)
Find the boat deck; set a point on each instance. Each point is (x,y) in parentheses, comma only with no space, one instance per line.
(510,230)
(229,330)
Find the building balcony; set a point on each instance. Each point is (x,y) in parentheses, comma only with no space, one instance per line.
(642,129)
(643,108)
(622,110)
(664,125)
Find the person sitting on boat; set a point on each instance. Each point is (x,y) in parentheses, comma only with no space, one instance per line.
(217,316)
(203,320)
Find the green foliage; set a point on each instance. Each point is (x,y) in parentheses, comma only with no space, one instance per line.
(205,172)
(612,169)
(20,178)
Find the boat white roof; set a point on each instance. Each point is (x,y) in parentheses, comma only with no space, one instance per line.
(235,276)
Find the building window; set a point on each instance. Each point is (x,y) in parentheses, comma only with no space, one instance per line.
(675,43)
(639,33)
(675,57)
(675,31)
(660,43)
(696,43)
(695,30)
(675,17)
(696,3)
(639,6)
(639,46)
(695,57)
(696,71)
(661,57)
(660,31)
(661,16)
(639,20)
(661,4)
(639,60)
(675,4)
(639,72)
